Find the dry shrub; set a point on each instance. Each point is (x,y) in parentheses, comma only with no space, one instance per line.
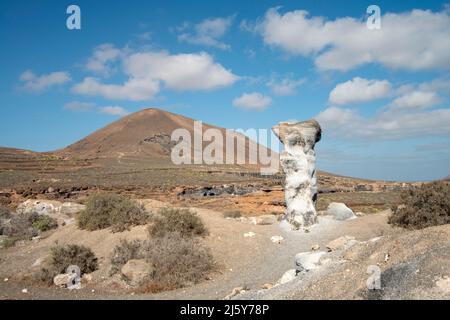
(63,257)
(183,221)
(81,256)
(104,210)
(20,226)
(177,260)
(426,206)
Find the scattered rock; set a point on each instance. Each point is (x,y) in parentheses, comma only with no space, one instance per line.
(38,262)
(25,290)
(136,271)
(266,219)
(307,261)
(340,243)
(87,278)
(235,292)
(249,234)
(277,239)
(6,280)
(315,247)
(267,286)
(287,276)
(340,211)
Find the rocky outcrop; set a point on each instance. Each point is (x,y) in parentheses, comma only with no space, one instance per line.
(298,161)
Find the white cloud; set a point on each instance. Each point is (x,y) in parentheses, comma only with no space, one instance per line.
(285,87)
(147,70)
(193,71)
(79,106)
(207,33)
(133,89)
(253,101)
(359,90)
(102,58)
(416,100)
(386,125)
(412,113)
(114,111)
(415,40)
(33,82)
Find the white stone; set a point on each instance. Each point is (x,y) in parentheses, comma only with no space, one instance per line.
(298,163)
(249,234)
(137,271)
(287,276)
(276,239)
(307,261)
(340,211)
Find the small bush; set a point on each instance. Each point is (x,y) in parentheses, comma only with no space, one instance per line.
(63,257)
(426,206)
(177,260)
(20,226)
(183,221)
(232,214)
(105,210)
(45,223)
(81,256)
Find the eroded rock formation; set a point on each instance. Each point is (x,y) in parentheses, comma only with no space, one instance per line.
(298,161)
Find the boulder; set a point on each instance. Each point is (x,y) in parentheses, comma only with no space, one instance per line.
(307,261)
(340,211)
(136,271)
(61,280)
(341,243)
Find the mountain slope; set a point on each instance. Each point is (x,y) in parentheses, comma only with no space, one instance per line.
(144,134)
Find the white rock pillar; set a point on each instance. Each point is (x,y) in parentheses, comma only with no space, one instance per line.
(298,161)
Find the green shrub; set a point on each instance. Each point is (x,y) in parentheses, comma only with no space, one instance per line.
(81,256)
(232,214)
(105,210)
(183,221)
(176,260)
(426,206)
(45,223)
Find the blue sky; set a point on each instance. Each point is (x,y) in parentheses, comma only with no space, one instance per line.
(382,96)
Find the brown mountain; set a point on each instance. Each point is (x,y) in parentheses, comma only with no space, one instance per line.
(144,134)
